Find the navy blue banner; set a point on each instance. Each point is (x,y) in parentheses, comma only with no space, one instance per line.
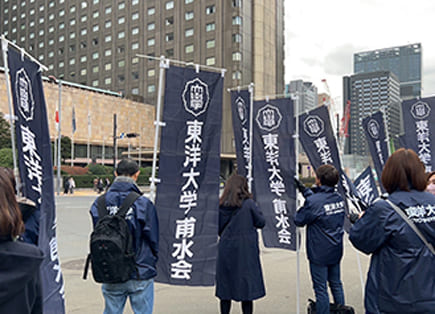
(374,129)
(319,143)
(366,186)
(36,169)
(240,103)
(188,194)
(402,141)
(274,169)
(419,125)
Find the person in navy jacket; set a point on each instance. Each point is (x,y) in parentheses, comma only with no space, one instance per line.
(401,277)
(143,223)
(238,268)
(323,214)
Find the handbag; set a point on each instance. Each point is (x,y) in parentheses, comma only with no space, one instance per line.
(333,308)
(412,225)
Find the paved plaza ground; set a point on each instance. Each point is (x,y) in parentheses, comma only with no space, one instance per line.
(279,267)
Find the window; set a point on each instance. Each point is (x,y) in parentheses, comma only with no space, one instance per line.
(188,1)
(121,6)
(134,46)
(83,31)
(108,38)
(210,61)
(72,48)
(134,2)
(83,59)
(121,49)
(135,60)
(236,3)
(237,56)
(95,1)
(95,55)
(108,66)
(61,64)
(107,24)
(32,35)
(135,31)
(108,52)
(32,23)
(83,18)
(51,29)
(95,69)
(95,28)
(188,48)
(61,38)
(188,32)
(151,26)
(151,11)
(61,25)
(210,9)
(95,83)
(72,9)
(51,54)
(135,16)
(121,63)
(72,35)
(210,43)
(108,10)
(72,22)
(237,75)
(237,38)
(169,37)
(51,17)
(135,75)
(121,34)
(237,20)
(41,20)
(95,14)
(41,32)
(121,20)
(210,27)
(151,88)
(84,5)
(151,42)
(72,61)
(151,72)
(135,91)
(169,21)
(107,80)
(169,5)
(188,15)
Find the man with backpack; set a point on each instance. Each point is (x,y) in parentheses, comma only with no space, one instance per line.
(124,257)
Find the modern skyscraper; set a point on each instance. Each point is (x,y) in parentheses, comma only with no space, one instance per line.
(369,93)
(307,92)
(403,61)
(96,42)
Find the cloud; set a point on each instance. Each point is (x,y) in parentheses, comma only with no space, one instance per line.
(428,80)
(339,61)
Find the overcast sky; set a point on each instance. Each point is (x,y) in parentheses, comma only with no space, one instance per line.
(322,36)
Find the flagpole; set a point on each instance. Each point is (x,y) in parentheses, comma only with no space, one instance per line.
(89,135)
(59,137)
(251,124)
(72,150)
(164,64)
(4,43)
(296,144)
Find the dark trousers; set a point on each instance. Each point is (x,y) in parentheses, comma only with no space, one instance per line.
(247,307)
(321,275)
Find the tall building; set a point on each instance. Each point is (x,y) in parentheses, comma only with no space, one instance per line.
(403,61)
(369,93)
(96,42)
(307,91)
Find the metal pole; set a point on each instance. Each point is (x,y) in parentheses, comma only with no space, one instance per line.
(103,152)
(59,137)
(72,150)
(298,236)
(387,133)
(89,135)
(11,115)
(114,143)
(158,124)
(251,118)
(140,141)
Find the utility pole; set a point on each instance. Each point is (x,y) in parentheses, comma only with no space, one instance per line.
(114,143)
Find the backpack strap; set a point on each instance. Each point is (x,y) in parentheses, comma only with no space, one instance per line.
(412,225)
(128,201)
(101,206)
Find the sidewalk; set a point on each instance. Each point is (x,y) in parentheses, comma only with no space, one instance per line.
(92,192)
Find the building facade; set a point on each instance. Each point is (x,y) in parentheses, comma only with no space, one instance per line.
(369,93)
(307,91)
(403,61)
(96,42)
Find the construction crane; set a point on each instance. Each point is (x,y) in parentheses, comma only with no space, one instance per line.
(329,104)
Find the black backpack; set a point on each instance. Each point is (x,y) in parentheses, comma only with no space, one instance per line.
(111,245)
(333,308)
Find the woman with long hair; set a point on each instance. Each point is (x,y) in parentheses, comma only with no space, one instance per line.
(401,278)
(20,290)
(238,270)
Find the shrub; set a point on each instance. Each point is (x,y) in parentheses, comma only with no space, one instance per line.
(98,169)
(6,159)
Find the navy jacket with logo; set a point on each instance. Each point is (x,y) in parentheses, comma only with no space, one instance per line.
(142,220)
(323,214)
(401,278)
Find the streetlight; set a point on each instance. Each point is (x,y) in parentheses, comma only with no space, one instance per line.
(121,136)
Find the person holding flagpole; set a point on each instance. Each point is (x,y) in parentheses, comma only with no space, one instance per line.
(399,233)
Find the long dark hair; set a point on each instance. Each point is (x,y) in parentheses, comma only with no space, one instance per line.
(11,223)
(235,192)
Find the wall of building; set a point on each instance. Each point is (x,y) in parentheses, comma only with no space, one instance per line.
(131,116)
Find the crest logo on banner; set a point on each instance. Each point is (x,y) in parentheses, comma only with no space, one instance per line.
(373,128)
(313,126)
(24,94)
(196,97)
(241,110)
(268,118)
(420,110)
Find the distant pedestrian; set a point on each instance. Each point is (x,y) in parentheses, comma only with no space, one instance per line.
(66,186)
(238,270)
(143,223)
(71,185)
(401,277)
(431,182)
(100,186)
(20,288)
(107,181)
(323,214)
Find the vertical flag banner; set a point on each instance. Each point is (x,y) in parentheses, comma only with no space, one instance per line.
(374,129)
(240,101)
(419,125)
(274,169)
(36,169)
(189,165)
(366,186)
(318,141)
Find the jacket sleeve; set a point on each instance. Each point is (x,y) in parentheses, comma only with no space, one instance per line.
(305,214)
(150,230)
(369,232)
(94,213)
(257,216)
